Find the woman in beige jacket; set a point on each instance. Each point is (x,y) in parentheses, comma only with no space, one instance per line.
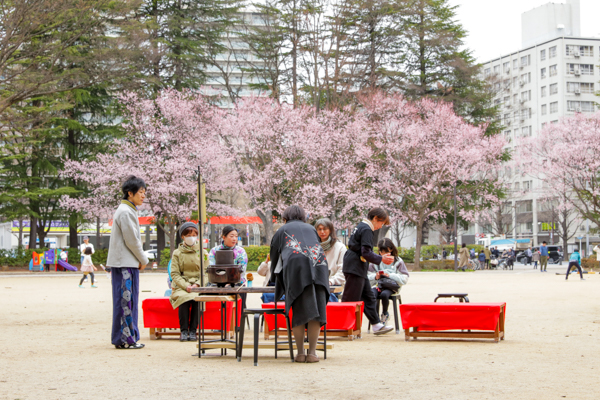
(185,273)
(464,256)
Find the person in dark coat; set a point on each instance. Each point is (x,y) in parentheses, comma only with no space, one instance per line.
(356,264)
(299,266)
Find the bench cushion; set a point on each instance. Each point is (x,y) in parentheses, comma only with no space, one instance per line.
(340,315)
(446,316)
(159,313)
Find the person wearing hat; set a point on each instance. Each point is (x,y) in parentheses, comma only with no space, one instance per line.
(86,243)
(229,241)
(185,275)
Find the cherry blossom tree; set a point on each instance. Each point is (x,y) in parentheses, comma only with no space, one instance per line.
(565,157)
(166,140)
(421,152)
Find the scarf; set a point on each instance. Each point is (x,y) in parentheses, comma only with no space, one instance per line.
(226,247)
(326,245)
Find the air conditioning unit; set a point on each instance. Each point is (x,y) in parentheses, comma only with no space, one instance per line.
(577,91)
(522,83)
(507,71)
(507,105)
(576,53)
(521,67)
(522,120)
(522,101)
(578,109)
(576,72)
(508,122)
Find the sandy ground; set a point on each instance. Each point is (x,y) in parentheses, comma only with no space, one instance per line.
(55,344)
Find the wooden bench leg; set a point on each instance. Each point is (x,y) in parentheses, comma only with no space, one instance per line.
(153,334)
(407,334)
(266,333)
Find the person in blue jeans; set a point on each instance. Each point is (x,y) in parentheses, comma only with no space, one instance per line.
(575,262)
(543,257)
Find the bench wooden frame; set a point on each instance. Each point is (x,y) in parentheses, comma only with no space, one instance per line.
(497,334)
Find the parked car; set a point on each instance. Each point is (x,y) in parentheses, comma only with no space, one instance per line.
(151,254)
(555,255)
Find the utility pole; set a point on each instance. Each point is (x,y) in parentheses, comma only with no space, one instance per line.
(455,232)
(201,226)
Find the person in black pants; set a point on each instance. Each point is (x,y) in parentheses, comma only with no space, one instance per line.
(356,264)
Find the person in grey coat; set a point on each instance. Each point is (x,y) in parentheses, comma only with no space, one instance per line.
(126,258)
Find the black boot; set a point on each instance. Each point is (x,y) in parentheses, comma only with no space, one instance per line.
(193,337)
(184,336)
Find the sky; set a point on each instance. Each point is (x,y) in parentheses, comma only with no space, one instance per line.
(494,27)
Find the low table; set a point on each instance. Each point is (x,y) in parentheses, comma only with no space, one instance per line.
(437,320)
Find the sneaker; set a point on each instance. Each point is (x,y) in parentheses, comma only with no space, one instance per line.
(81,286)
(192,336)
(184,336)
(94,286)
(583,279)
(382,330)
(385,317)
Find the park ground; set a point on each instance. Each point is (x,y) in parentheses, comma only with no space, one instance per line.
(55,344)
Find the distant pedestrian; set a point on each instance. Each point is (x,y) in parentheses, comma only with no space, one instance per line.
(528,255)
(535,258)
(597,250)
(87,267)
(482,260)
(511,258)
(488,255)
(543,257)
(464,257)
(86,244)
(575,262)
(472,252)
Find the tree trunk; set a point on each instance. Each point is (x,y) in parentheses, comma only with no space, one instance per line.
(20,240)
(73,239)
(418,245)
(42,233)
(98,238)
(32,232)
(160,238)
(267,219)
(172,238)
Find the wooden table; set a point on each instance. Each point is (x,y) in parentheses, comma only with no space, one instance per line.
(224,294)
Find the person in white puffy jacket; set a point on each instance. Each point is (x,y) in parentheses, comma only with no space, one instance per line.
(597,250)
(334,252)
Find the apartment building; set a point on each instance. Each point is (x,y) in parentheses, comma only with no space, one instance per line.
(555,75)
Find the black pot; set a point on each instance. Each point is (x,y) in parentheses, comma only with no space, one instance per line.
(224,274)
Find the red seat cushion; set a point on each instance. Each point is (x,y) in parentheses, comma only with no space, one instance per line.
(445,316)
(340,316)
(159,313)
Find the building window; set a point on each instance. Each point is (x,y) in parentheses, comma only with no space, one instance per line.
(552,51)
(517,187)
(544,109)
(506,67)
(515,99)
(525,78)
(506,99)
(554,107)
(543,91)
(543,73)
(580,87)
(496,69)
(553,70)
(507,136)
(543,125)
(506,84)
(553,89)
(526,131)
(580,51)
(526,95)
(542,55)
(526,188)
(525,60)
(515,64)
(580,106)
(487,71)
(506,119)
(580,69)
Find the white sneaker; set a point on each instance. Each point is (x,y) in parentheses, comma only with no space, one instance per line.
(381,329)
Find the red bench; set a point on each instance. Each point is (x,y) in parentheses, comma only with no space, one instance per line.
(159,316)
(343,319)
(436,320)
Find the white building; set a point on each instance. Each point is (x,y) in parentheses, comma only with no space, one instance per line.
(554,75)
